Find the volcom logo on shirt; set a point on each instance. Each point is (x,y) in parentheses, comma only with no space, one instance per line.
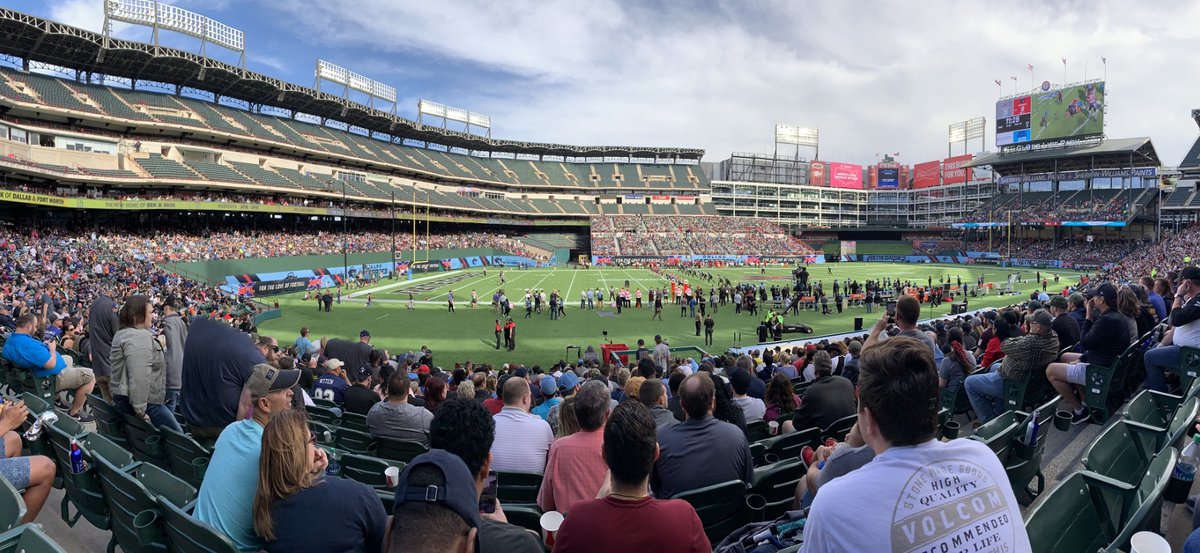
(953,506)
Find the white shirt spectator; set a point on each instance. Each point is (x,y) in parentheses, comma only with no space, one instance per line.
(753,408)
(522,441)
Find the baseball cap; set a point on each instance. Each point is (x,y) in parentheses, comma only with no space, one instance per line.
(1033,305)
(334,364)
(1042,317)
(457,494)
(1190,272)
(1106,291)
(364,333)
(265,379)
(1059,302)
(568,381)
(548,385)
(360,374)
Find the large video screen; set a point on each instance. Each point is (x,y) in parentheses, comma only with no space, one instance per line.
(1051,114)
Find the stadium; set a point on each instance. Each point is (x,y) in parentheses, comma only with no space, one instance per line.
(764,317)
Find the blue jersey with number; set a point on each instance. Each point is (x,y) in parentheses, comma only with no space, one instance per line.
(330,388)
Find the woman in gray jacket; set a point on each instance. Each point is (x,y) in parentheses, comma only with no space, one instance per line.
(138,369)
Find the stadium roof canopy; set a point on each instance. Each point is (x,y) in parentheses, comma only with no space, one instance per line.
(1116,153)
(41,40)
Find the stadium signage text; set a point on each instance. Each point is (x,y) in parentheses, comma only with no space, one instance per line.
(1076,175)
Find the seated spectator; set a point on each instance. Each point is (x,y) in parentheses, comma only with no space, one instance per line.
(333,384)
(1065,327)
(1184,319)
(1105,336)
(567,423)
(865,509)
(548,385)
(139,367)
(465,429)
(426,521)
(673,405)
(568,386)
(630,452)
(26,352)
(227,494)
(1022,354)
(781,398)
(700,441)
(575,468)
(957,365)
(850,370)
(829,462)
(827,400)
(752,408)
(361,396)
(292,485)
(217,363)
(726,410)
(34,474)
(654,396)
(436,389)
(522,439)
(395,418)
(994,347)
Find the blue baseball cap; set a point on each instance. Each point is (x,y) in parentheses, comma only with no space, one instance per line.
(568,381)
(548,385)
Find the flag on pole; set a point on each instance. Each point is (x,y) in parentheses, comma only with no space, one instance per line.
(997,82)
(1064,61)
(1104,60)
(1030,66)
(1014,78)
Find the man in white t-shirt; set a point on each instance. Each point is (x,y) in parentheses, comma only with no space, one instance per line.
(918,494)
(752,408)
(1184,319)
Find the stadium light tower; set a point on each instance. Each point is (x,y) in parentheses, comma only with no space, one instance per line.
(158,15)
(353,81)
(458,115)
(798,136)
(965,131)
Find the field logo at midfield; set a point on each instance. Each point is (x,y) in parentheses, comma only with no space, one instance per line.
(952,505)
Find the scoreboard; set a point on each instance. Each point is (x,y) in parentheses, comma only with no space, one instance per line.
(1013,124)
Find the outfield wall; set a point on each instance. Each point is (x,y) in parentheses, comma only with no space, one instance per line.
(215,271)
(601,260)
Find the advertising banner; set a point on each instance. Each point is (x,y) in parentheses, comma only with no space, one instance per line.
(954,170)
(849,247)
(845,175)
(928,174)
(816,173)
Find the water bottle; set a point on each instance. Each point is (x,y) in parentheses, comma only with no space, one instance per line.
(76,458)
(1185,469)
(1031,429)
(334,467)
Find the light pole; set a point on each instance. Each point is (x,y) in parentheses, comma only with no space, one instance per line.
(345,239)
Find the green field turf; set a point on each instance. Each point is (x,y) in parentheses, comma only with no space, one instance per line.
(1059,124)
(468,334)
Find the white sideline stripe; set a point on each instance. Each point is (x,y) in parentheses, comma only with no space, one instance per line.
(392,286)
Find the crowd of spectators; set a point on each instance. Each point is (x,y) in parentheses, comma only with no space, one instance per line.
(632,235)
(1042,207)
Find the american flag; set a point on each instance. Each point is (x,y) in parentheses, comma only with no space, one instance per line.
(997,82)
(1029,66)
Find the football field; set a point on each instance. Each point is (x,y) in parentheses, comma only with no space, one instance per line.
(468,334)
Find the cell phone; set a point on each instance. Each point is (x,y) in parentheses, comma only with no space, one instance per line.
(891,308)
(487,499)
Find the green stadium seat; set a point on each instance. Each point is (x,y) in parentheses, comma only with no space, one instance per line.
(28,538)
(517,487)
(12,506)
(1118,452)
(368,470)
(145,441)
(323,415)
(82,490)
(188,459)
(186,534)
(758,452)
(132,498)
(527,516)
(721,508)
(788,446)
(757,430)
(839,428)
(1101,393)
(776,486)
(998,433)
(399,450)
(355,441)
(108,421)
(354,421)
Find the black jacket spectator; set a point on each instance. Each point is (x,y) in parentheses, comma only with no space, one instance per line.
(1105,338)
(827,400)
(217,361)
(1067,330)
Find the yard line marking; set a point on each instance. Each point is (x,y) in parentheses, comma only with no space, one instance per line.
(567,296)
(387,287)
(507,283)
(382,316)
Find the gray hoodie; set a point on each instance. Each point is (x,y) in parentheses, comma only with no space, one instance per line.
(138,368)
(175,331)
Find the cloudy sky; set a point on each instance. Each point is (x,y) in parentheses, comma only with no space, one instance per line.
(874,77)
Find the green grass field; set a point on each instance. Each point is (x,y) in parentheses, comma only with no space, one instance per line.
(469,335)
(1058,123)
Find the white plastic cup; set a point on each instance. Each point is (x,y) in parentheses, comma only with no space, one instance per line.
(1148,542)
(773,427)
(550,522)
(392,476)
